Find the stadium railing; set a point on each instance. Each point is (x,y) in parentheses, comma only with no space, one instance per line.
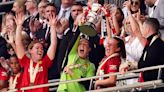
(148,85)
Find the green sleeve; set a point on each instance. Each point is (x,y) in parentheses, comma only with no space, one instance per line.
(91,70)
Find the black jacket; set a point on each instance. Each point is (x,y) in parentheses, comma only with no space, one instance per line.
(154,57)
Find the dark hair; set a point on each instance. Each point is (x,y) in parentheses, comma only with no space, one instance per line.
(51,4)
(122,15)
(153,22)
(78,3)
(101,2)
(121,45)
(14,55)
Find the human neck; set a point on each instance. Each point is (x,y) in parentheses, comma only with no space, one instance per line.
(112,53)
(14,74)
(65,6)
(150,34)
(35,60)
(21,12)
(32,11)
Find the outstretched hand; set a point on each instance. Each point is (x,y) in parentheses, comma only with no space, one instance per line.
(34,25)
(19,19)
(53,20)
(139,17)
(10,37)
(67,70)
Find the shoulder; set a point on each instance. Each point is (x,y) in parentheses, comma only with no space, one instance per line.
(46,58)
(3,74)
(91,64)
(158,43)
(115,60)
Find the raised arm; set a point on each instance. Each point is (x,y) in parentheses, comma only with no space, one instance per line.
(20,51)
(136,28)
(115,21)
(52,49)
(109,33)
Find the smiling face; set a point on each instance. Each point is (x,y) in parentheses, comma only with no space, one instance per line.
(9,22)
(135,5)
(83,48)
(42,8)
(111,46)
(14,64)
(37,51)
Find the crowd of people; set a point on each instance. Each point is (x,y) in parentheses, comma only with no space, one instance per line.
(40,41)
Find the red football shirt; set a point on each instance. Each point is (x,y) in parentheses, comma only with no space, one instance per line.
(111,65)
(3,74)
(42,75)
(18,82)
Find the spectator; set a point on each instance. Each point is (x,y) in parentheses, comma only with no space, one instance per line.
(134,47)
(8,24)
(153,51)
(41,10)
(135,6)
(157,12)
(31,8)
(19,7)
(65,9)
(117,20)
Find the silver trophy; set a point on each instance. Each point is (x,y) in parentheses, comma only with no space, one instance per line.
(91,17)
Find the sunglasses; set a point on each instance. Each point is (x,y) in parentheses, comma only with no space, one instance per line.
(136,3)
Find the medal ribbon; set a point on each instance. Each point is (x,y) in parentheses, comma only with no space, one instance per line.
(13,81)
(33,71)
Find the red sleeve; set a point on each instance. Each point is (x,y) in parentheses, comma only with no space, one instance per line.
(113,65)
(46,61)
(23,61)
(3,74)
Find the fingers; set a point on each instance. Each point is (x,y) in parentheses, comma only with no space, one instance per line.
(123,70)
(68,71)
(10,37)
(19,18)
(53,20)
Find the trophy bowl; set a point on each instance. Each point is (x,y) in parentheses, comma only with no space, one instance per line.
(88,29)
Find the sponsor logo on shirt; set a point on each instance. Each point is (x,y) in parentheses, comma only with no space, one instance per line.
(3,74)
(113,67)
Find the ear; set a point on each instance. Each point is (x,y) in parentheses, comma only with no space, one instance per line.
(29,50)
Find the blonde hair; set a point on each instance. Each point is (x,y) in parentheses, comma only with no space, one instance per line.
(20,3)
